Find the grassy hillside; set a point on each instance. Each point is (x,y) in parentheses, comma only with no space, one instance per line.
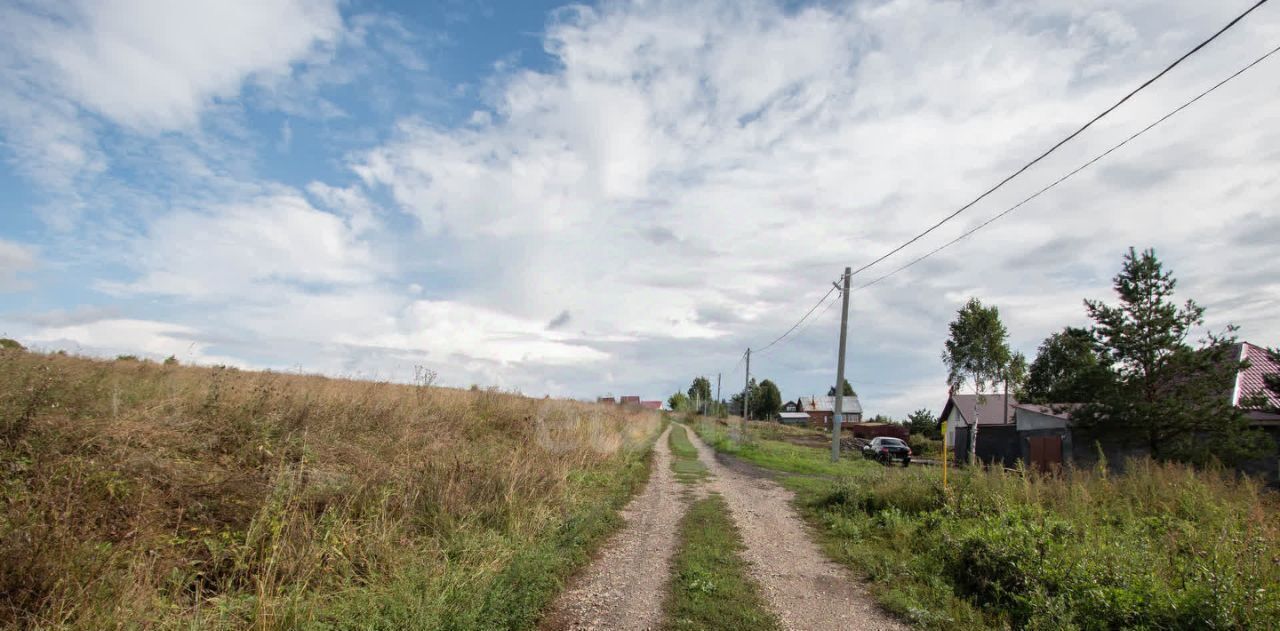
(138,494)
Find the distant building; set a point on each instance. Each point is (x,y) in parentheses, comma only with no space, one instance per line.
(821,409)
(609,400)
(651,405)
(790,406)
(793,418)
(630,400)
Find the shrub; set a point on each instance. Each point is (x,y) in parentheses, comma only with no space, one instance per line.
(922,445)
(1162,546)
(9,344)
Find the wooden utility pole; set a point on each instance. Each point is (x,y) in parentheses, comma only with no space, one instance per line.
(746,396)
(837,419)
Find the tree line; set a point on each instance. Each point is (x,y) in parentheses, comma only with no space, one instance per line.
(1131,377)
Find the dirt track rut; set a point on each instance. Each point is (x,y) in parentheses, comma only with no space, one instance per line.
(625,586)
(806,590)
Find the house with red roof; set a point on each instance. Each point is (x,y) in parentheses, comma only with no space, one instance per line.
(1041,435)
(1260,405)
(1250,392)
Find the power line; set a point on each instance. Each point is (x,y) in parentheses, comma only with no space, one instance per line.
(797,329)
(798,322)
(1078,169)
(1064,141)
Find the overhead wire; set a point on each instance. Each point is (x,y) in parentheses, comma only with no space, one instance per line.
(1064,141)
(1078,169)
(803,319)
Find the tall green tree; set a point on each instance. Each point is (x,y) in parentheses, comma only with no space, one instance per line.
(848,390)
(735,403)
(700,392)
(1067,369)
(766,401)
(1167,395)
(977,354)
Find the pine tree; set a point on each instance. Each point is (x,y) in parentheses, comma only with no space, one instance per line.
(1166,395)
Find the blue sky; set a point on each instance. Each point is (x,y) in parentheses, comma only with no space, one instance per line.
(613,198)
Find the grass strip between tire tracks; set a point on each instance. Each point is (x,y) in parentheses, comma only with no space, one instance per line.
(710,586)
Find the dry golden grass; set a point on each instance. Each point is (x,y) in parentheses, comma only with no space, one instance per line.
(142,495)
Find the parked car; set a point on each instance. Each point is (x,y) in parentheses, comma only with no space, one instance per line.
(885,450)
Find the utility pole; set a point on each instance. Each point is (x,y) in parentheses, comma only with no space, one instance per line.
(837,419)
(717,395)
(746,396)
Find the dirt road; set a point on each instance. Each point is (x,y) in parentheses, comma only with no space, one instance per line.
(624,587)
(805,589)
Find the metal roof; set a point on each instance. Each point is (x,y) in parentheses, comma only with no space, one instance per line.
(850,404)
(990,412)
(1251,381)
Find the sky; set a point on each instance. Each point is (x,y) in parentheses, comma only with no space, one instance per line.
(612,198)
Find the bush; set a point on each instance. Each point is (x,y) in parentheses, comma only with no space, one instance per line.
(1162,546)
(9,344)
(922,445)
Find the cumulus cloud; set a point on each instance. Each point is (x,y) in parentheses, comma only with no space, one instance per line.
(686,179)
(155,65)
(774,146)
(15,259)
(217,254)
(124,336)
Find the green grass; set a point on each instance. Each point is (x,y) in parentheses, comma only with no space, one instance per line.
(684,461)
(135,494)
(1160,547)
(710,588)
(779,455)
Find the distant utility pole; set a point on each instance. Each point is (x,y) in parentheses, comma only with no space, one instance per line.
(746,395)
(717,394)
(837,418)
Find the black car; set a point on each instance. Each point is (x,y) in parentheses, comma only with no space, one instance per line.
(885,450)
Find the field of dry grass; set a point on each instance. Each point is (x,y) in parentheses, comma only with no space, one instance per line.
(137,494)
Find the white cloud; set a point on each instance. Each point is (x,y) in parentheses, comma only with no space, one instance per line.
(685,179)
(146,338)
(154,65)
(686,159)
(219,253)
(73,72)
(15,259)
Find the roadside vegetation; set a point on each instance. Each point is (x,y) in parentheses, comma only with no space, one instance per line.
(1163,546)
(710,585)
(135,494)
(684,457)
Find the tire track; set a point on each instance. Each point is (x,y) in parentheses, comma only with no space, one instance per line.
(624,587)
(805,589)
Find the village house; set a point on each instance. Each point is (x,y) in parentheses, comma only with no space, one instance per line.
(821,409)
(1041,435)
(793,418)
